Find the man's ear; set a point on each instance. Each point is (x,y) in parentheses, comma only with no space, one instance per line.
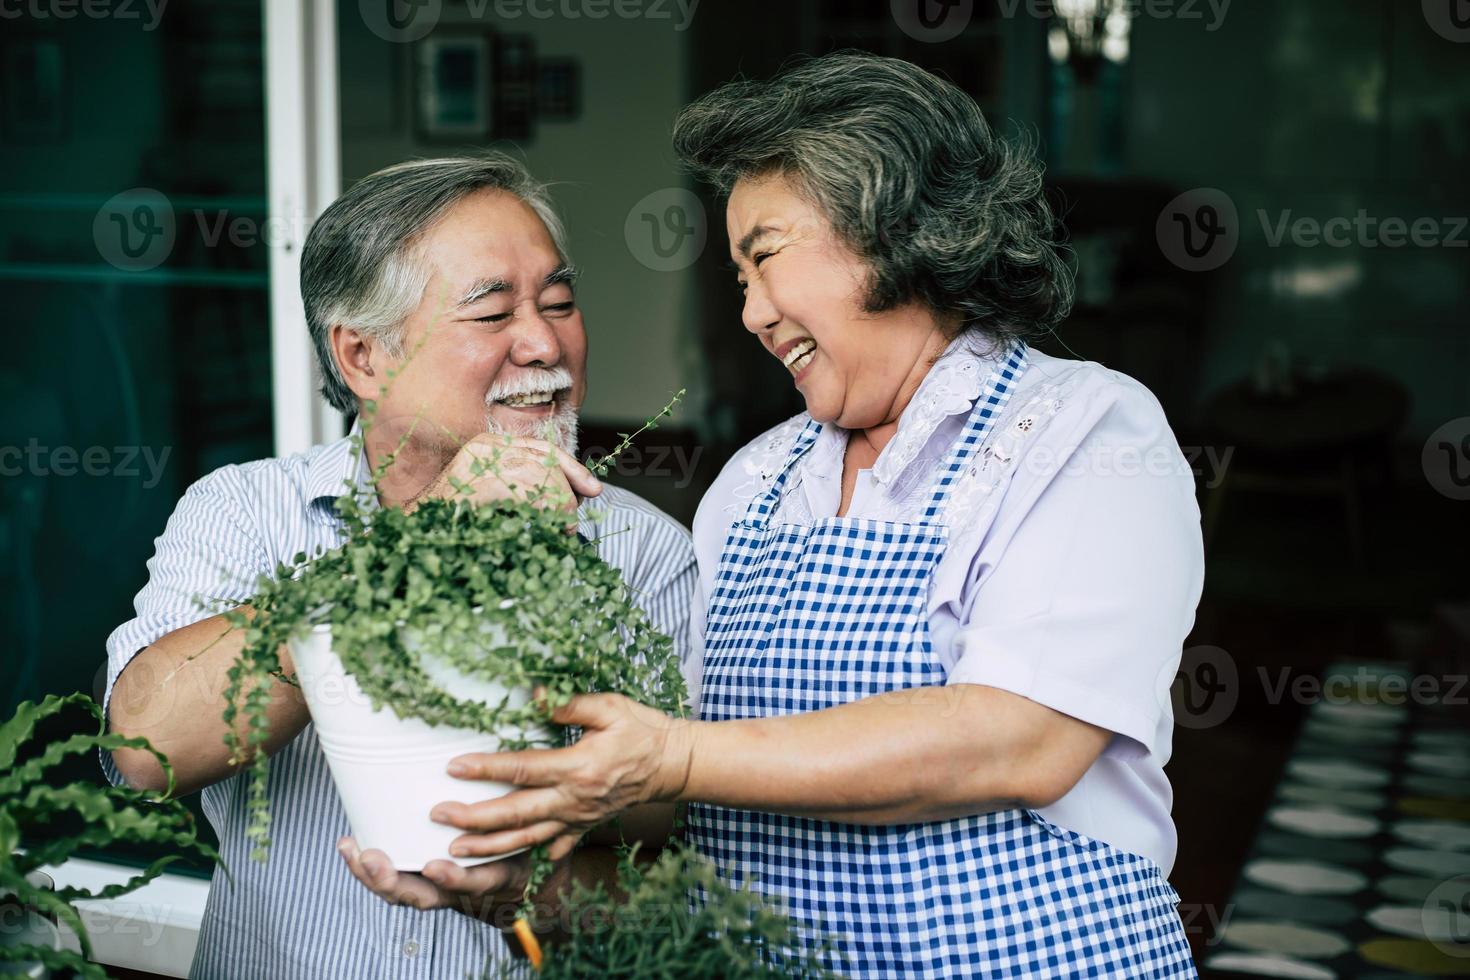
(359,358)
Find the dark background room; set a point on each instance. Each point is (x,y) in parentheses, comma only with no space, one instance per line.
(1265,203)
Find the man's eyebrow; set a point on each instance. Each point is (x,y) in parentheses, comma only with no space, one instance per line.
(750,238)
(481,289)
(562,273)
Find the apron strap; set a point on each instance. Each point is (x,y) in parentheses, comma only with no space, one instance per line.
(992,399)
(761,507)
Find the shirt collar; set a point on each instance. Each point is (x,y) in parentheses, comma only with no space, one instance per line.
(328,473)
(950,388)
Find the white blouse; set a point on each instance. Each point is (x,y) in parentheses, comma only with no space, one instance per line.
(1073,569)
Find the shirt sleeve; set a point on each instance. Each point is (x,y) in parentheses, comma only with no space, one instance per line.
(209,554)
(669,602)
(1086,586)
(662,573)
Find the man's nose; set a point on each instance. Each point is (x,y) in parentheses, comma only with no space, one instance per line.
(536,342)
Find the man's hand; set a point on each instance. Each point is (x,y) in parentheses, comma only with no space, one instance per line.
(488,892)
(498,467)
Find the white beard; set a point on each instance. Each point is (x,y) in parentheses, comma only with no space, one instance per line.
(559,430)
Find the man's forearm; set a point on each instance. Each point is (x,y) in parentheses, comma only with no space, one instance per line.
(172,694)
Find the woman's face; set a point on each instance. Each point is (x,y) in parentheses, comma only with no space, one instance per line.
(804,293)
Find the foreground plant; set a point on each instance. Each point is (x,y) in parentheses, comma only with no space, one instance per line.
(679,920)
(66,818)
(499,592)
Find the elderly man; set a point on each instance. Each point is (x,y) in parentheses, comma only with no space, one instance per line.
(449,277)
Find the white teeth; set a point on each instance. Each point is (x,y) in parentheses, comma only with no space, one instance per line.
(534,398)
(799,365)
(801,350)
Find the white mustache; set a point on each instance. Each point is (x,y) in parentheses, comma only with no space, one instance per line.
(531,381)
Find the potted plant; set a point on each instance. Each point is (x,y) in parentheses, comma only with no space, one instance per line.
(676,919)
(65,818)
(423,636)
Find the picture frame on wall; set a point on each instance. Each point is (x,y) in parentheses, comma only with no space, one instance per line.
(558,89)
(452,83)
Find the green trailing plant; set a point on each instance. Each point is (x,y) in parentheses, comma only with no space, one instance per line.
(677,919)
(66,818)
(500,591)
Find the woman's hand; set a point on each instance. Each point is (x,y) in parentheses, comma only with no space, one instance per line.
(489,892)
(628,754)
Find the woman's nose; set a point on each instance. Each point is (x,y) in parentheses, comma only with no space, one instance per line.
(759,313)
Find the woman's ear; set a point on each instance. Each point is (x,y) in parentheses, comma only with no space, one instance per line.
(355,353)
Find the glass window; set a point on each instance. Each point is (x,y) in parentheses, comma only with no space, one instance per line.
(134,269)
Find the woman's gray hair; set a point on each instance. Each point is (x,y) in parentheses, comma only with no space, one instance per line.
(911,177)
(361,268)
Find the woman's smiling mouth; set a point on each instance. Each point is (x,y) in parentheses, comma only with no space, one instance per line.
(797,355)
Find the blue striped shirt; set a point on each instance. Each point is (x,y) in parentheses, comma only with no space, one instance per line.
(302,914)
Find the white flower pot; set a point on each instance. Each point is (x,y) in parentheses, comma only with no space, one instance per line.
(390,771)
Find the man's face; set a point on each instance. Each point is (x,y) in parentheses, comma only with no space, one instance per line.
(496,343)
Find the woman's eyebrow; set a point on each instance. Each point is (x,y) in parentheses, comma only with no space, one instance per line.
(751,237)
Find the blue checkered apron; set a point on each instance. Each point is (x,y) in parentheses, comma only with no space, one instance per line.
(807,617)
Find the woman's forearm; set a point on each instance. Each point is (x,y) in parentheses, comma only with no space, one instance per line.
(929,753)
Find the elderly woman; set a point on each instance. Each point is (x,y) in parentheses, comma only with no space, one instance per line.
(942,608)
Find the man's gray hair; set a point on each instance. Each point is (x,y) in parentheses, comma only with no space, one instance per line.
(910,176)
(361,267)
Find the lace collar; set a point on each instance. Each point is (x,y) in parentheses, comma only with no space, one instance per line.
(950,387)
